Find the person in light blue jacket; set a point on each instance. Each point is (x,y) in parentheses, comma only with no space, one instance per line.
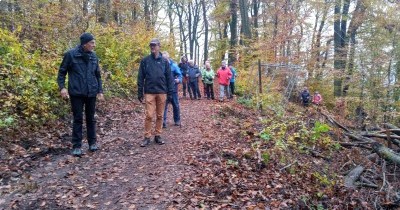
(177,75)
(232,81)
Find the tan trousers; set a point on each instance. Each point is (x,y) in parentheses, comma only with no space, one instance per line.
(154,103)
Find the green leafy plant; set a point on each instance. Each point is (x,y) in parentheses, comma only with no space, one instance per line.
(265,157)
(318,129)
(265,136)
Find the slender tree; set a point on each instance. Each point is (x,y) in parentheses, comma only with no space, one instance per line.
(245,30)
(205,19)
(233,30)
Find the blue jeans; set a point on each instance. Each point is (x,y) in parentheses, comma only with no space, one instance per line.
(175,109)
(222,90)
(77,104)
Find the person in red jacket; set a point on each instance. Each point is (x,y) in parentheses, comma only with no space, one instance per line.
(224,76)
(317,98)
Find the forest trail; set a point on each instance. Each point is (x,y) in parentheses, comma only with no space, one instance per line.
(122,175)
(224,156)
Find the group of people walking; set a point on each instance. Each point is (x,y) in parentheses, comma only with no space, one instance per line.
(158,86)
(192,75)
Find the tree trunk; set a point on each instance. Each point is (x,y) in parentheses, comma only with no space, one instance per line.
(386,153)
(102,11)
(170,18)
(154,12)
(275,33)
(339,41)
(147,14)
(245,26)
(353,176)
(318,36)
(193,20)
(355,23)
(233,29)
(182,44)
(205,19)
(256,7)
(224,37)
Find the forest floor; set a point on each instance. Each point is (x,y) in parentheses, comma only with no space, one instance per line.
(207,162)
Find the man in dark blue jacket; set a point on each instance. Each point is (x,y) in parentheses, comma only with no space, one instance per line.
(177,75)
(84,84)
(194,74)
(155,86)
(183,65)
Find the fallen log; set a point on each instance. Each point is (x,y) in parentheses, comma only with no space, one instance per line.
(348,144)
(367,185)
(386,153)
(394,129)
(333,121)
(390,130)
(395,139)
(360,138)
(353,176)
(380,135)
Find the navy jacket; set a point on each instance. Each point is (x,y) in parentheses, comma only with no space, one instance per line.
(194,73)
(184,68)
(84,77)
(155,76)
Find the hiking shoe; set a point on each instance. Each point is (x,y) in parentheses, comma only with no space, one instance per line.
(158,140)
(178,124)
(77,152)
(93,148)
(145,142)
(164,125)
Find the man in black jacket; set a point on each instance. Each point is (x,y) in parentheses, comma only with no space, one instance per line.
(155,86)
(84,84)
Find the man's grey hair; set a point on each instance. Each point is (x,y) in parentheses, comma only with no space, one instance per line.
(191,62)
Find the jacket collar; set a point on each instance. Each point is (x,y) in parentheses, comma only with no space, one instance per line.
(79,51)
(158,58)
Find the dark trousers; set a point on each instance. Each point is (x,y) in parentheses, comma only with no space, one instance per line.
(204,88)
(175,109)
(194,89)
(209,91)
(198,89)
(185,83)
(232,87)
(77,104)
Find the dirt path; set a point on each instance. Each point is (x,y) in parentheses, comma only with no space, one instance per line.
(121,175)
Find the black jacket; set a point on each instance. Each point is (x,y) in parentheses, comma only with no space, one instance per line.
(155,76)
(84,77)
